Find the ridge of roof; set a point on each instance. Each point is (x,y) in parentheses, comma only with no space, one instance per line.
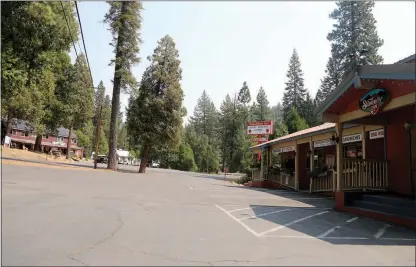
(298,134)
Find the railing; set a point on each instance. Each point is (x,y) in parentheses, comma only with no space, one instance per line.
(365,174)
(325,182)
(255,174)
(274,177)
(287,180)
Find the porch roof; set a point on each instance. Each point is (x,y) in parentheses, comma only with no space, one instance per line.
(378,72)
(323,128)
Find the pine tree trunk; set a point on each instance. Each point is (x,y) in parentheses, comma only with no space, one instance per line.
(144,160)
(38,143)
(115,102)
(68,144)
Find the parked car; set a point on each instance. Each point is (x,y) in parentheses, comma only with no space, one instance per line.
(155,165)
(102,159)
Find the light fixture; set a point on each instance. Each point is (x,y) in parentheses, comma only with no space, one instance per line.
(335,138)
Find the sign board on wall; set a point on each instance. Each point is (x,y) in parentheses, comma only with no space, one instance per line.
(323,143)
(376,134)
(259,127)
(352,138)
(277,150)
(374,101)
(288,149)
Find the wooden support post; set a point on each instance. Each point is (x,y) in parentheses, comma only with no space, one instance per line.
(296,167)
(311,154)
(261,163)
(340,162)
(363,141)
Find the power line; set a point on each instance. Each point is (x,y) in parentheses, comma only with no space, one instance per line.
(69,29)
(83,41)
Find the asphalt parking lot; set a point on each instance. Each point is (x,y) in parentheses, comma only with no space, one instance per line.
(66,216)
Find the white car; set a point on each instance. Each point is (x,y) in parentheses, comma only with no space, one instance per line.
(155,165)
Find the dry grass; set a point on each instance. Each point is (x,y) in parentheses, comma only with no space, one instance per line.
(30,155)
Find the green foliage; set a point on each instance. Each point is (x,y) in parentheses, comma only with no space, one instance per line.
(354,31)
(154,114)
(125,21)
(35,42)
(308,111)
(186,161)
(261,110)
(205,118)
(295,93)
(294,121)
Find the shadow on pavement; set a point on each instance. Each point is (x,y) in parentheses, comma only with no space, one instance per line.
(333,227)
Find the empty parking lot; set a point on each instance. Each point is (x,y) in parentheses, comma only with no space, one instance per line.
(65,216)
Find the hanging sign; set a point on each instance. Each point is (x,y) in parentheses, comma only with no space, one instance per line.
(288,149)
(277,150)
(351,138)
(259,127)
(374,101)
(376,134)
(323,143)
(259,138)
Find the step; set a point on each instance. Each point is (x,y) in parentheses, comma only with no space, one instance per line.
(384,216)
(390,200)
(385,208)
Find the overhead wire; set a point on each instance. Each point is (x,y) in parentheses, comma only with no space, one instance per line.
(69,29)
(83,41)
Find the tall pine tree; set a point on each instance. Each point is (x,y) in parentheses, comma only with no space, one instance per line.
(295,93)
(125,22)
(261,110)
(205,118)
(154,117)
(354,33)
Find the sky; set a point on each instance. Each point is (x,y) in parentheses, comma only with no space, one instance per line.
(223,44)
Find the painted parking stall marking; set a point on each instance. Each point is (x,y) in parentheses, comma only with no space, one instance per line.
(310,223)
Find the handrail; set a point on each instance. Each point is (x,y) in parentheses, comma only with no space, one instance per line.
(323,183)
(365,174)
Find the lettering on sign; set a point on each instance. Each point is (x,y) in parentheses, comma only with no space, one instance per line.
(376,134)
(288,149)
(277,150)
(260,127)
(323,143)
(374,101)
(351,138)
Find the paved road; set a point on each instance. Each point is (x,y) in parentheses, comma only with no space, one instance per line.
(70,216)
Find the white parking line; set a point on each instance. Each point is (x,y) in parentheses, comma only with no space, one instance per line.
(241,223)
(296,221)
(336,227)
(399,239)
(381,231)
(230,211)
(190,187)
(263,214)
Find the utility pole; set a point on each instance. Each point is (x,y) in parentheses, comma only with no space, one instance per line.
(97,139)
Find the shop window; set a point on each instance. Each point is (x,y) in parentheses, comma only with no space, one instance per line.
(59,139)
(26,134)
(45,136)
(14,132)
(353,151)
(318,158)
(330,161)
(74,141)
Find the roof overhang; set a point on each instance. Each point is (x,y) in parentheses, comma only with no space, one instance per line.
(377,72)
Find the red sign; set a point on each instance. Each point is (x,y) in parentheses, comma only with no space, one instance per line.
(260,127)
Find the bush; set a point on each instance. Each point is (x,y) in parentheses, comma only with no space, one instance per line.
(243,180)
